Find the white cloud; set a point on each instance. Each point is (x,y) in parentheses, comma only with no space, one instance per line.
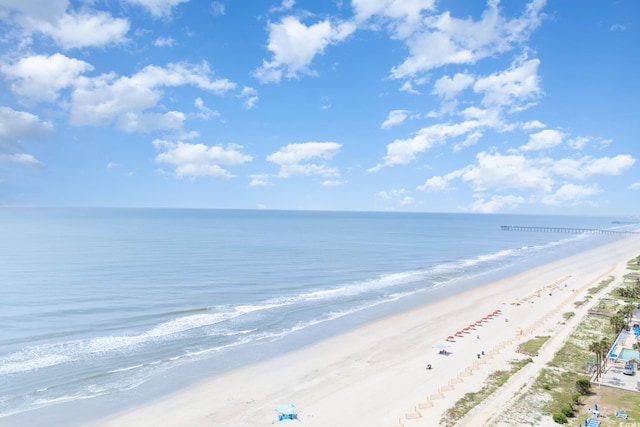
(533,124)
(158,8)
(585,167)
(249,96)
(18,127)
(618,27)
(22,159)
(101,100)
(164,41)
(435,183)
(331,183)
(579,142)
(68,28)
(449,87)
(193,160)
(41,77)
(571,194)
(259,180)
(395,118)
(543,140)
(512,87)
(448,40)
(205,112)
(294,46)
(407,87)
(501,172)
(403,151)
(398,196)
(308,158)
(401,17)
(635,186)
(496,204)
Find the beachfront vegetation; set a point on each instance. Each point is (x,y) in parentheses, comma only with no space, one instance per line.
(471,400)
(566,379)
(531,347)
(603,284)
(568,315)
(583,386)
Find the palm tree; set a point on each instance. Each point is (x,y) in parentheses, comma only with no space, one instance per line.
(604,350)
(627,311)
(617,322)
(595,347)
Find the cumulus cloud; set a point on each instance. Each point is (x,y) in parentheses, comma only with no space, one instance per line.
(19,127)
(101,100)
(543,140)
(449,87)
(41,77)
(294,45)
(307,158)
(587,166)
(68,28)
(500,172)
(396,117)
(194,160)
(514,87)
(444,39)
(403,151)
(435,183)
(400,17)
(571,194)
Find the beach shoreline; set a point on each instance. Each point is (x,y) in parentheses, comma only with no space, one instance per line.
(375,374)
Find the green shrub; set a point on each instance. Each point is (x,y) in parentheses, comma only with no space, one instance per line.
(583,385)
(567,410)
(575,398)
(560,418)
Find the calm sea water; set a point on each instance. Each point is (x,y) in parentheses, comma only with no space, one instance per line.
(104,307)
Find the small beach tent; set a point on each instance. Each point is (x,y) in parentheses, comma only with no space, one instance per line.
(286,412)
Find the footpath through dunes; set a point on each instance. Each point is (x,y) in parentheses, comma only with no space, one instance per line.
(376,374)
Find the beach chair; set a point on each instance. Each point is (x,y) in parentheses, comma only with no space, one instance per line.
(286,412)
(621,414)
(591,422)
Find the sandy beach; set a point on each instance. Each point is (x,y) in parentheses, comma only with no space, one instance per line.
(376,374)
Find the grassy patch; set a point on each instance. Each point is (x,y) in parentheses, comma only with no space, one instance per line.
(531,347)
(603,284)
(568,315)
(471,400)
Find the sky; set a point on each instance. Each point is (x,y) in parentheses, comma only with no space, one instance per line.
(526,107)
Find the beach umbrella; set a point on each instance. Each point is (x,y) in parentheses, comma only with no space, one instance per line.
(450,338)
(459,333)
(471,326)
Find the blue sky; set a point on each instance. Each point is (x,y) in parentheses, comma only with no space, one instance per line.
(402,105)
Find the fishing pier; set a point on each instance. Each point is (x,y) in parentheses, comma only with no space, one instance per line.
(563,230)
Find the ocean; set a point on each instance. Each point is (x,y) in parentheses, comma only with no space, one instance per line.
(102,309)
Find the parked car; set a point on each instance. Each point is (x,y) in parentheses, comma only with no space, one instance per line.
(628,369)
